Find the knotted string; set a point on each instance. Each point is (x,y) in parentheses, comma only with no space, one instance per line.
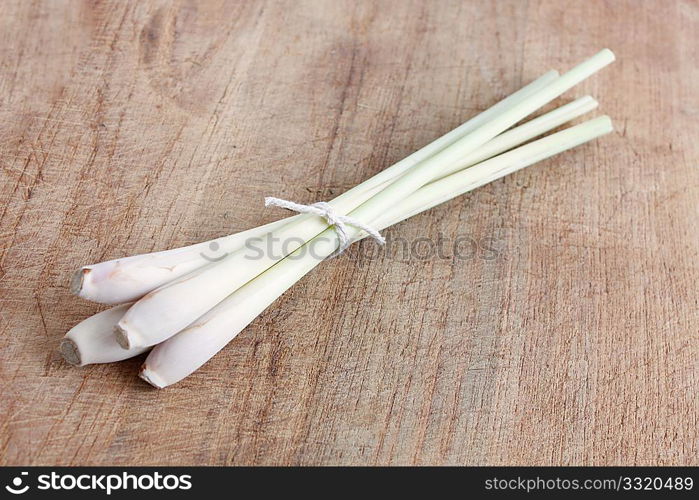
(327,212)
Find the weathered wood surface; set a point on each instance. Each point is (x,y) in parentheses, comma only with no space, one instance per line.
(134,126)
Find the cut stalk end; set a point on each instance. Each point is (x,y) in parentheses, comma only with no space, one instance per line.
(608,54)
(76,282)
(70,352)
(127,338)
(152,378)
(122,337)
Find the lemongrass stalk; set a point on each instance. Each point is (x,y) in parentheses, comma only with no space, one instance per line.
(182,354)
(93,340)
(171,307)
(128,279)
(89,336)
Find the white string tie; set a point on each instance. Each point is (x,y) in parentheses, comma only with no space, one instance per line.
(327,212)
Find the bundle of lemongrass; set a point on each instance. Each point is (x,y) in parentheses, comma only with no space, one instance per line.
(187,308)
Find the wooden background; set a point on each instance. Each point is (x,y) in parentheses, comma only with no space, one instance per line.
(128,127)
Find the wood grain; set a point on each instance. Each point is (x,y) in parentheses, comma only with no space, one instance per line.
(134,126)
